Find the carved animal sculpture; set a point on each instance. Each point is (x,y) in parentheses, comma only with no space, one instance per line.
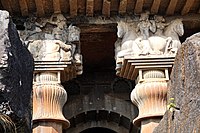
(157,45)
(128,36)
(126,32)
(169,43)
(174,30)
(50,50)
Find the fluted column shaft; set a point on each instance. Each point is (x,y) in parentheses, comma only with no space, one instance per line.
(49,97)
(149,96)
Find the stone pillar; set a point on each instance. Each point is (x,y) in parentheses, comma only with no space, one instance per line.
(148,59)
(54,64)
(151,74)
(57,58)
(49,97)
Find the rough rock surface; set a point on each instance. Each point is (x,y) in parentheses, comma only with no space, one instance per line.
(184,87)
(16,73)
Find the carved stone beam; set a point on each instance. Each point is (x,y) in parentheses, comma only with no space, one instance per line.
(171,7)
(90,8)
(53,64)
(151,74)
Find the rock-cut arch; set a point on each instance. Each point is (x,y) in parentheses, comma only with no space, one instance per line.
(100,119)
(107,111)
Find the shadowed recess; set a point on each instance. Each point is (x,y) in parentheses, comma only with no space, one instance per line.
(98,130)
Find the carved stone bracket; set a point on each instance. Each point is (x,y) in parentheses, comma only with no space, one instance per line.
(54,40)
(151,74)
(55,55)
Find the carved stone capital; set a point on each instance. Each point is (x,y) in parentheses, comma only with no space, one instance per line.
(148,37)
(51,39)
(49,97)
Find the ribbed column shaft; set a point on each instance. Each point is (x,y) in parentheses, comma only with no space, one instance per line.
(49,98)
(150,97)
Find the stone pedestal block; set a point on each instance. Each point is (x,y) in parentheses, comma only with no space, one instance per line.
(47,127)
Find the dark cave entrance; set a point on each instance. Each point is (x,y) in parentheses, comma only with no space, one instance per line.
(98,130)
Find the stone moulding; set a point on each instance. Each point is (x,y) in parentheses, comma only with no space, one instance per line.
(64,70)
(128,67)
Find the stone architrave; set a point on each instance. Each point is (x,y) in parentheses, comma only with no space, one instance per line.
(145,52)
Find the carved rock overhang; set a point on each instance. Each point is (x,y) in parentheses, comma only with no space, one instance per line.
(97,20)
(100,7)
(82,9)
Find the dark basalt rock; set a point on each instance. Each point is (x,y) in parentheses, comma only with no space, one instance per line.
(184,87)
(16,75)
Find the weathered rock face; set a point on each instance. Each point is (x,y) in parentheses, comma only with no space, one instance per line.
(184,87)
(16,71)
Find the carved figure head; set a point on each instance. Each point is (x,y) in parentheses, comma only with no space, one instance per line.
(178,27)
(121,29)
(158,18)
(74,33)
(144,16)
(175,29)
(57,18)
